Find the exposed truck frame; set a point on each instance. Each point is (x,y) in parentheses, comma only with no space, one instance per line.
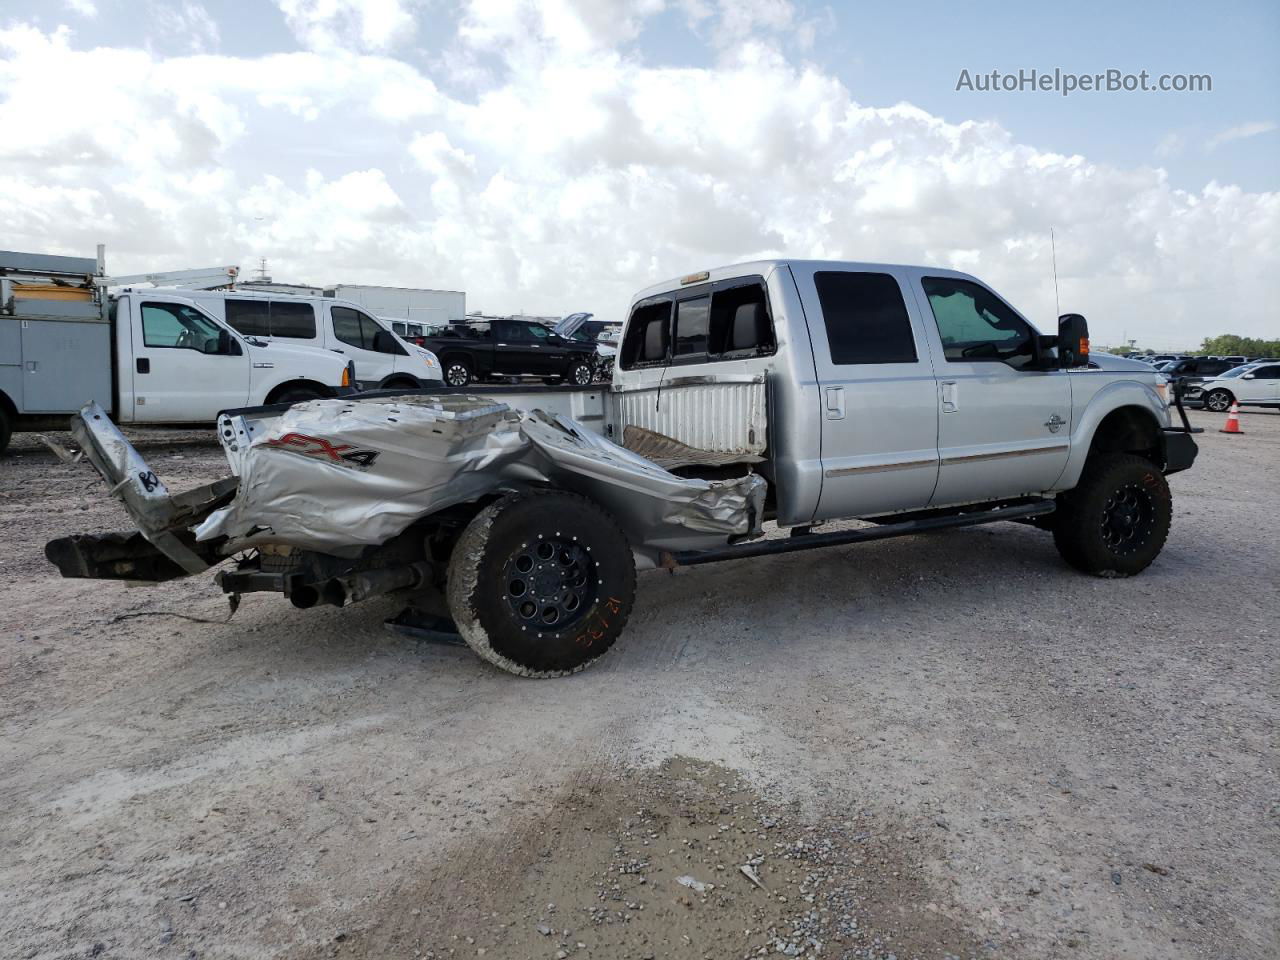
(789,391)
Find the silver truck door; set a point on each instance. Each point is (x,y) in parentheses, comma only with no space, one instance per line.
(876,390)
(1003,429)
(186,366)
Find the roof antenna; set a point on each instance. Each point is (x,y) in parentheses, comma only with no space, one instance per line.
(1054,247)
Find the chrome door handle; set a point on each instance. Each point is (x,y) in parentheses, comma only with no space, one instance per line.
(950,396)
(835,403)
(502,344)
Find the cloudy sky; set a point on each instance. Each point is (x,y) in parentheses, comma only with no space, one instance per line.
(556,156)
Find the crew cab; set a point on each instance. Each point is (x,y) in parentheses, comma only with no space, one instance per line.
(790,392)
(145,356)
(495,347)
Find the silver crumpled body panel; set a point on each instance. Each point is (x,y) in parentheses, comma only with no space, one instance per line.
(338,475)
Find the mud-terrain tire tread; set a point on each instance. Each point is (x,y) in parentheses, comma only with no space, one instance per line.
(1077,520)
(552,510)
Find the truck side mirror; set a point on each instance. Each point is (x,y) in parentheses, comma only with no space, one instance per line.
(1073,341)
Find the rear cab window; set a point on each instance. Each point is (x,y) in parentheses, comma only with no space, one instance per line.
(710,323)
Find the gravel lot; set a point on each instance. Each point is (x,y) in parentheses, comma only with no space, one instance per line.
(945,745)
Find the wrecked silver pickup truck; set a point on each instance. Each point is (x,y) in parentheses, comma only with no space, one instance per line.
(794,391)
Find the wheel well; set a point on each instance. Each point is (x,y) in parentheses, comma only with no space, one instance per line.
(1128,430)
(396,381)
(9,408)
(278,389)
(457,358)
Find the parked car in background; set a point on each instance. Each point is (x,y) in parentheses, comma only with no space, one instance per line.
(580,328)
(383,361)
(495,347)
(1254,384)
(1191,370)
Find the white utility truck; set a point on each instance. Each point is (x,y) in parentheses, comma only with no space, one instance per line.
(797,392)
(147,356)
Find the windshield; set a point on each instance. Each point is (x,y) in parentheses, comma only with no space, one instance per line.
(1237,371)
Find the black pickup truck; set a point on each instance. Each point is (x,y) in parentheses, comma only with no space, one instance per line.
(506,347)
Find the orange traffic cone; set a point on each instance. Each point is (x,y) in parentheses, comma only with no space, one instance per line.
(1233,420)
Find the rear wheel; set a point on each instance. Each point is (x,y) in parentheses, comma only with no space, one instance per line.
(541,584)
(457,373)
(1219,401)
(1116,521)
(6,429)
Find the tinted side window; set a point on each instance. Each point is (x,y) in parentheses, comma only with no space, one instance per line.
(293,320)
(975,325)
(865,317)
(647,333)
(1266,373)
(250,317)
(691,328)
(346,326)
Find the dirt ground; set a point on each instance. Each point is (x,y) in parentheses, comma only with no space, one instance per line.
(939,746)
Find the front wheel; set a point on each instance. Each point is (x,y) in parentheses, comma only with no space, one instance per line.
(457,373)
(541,584)
(1219,401)
(581,374)
(1116,521)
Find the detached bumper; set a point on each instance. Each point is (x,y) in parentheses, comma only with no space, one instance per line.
(1179,450)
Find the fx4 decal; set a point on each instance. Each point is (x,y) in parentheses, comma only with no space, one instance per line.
(320,448)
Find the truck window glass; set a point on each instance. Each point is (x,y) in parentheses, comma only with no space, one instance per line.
(865,317)
(647,334)
(691,329)
(293,320)
(250,317)
(177,326)
(975,325)
(739,325)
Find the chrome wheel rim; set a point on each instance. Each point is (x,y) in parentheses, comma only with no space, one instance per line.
(1127,519)
(581,376)
(457,375)
(1218,402)
(550,583)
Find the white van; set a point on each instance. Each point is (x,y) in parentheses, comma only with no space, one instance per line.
(382,359)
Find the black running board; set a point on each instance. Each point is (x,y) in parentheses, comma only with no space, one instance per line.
(812,541)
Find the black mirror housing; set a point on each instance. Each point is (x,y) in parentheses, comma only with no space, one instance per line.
(1073,341)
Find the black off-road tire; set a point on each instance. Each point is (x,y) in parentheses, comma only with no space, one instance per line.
(517,615)
(580,374)
(1116,521)
(457,373)
(1219,401)
(6,429)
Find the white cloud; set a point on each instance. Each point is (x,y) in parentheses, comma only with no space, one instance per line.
(86,8)
(583,174)
(349,24)
(188,23)
(1241,132)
